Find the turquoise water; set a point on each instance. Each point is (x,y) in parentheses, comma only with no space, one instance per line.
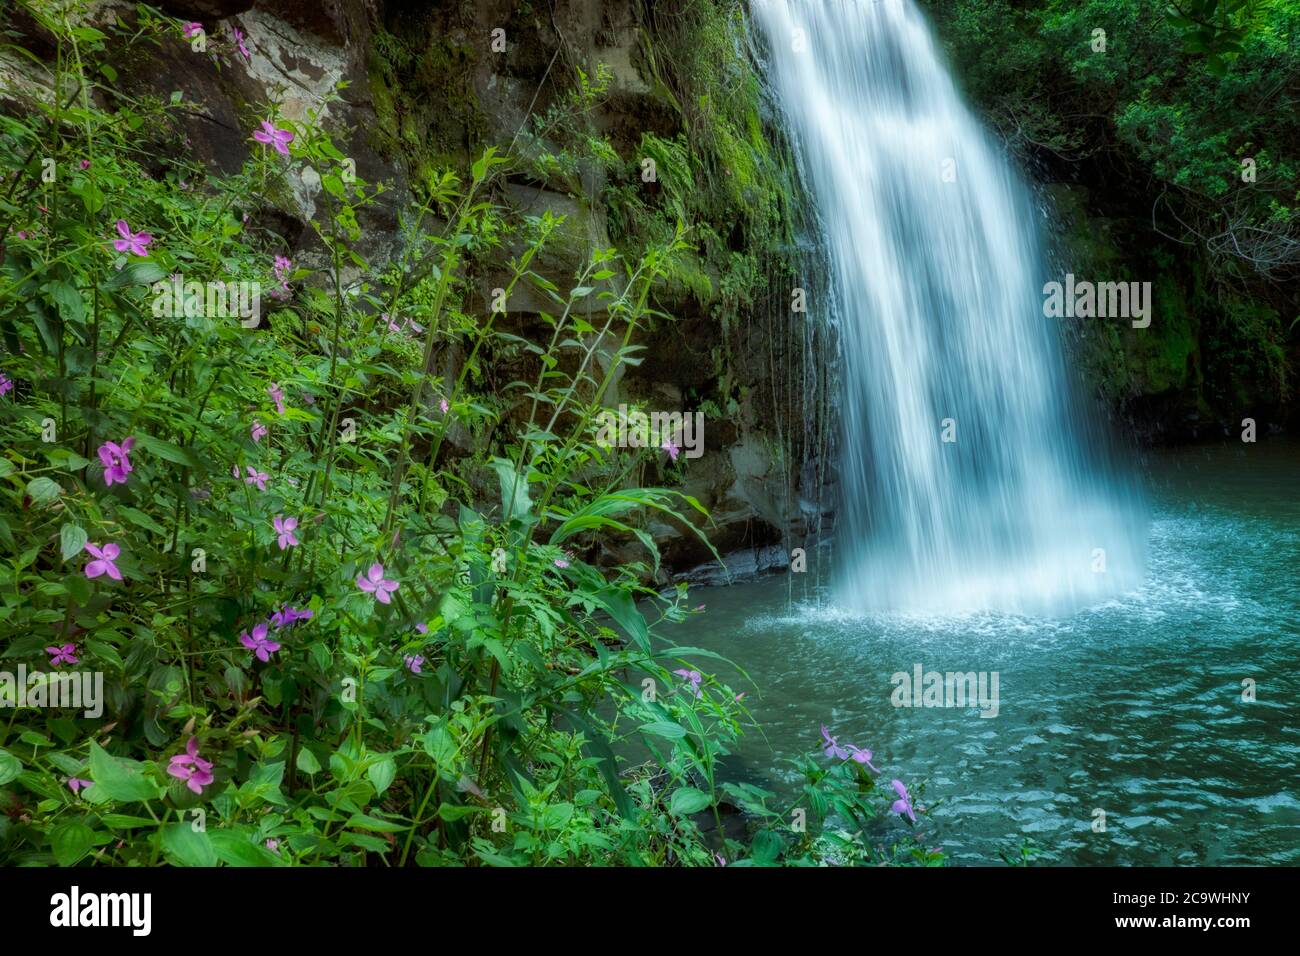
(1132,706)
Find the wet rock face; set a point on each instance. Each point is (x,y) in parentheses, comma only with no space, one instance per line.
(297,54)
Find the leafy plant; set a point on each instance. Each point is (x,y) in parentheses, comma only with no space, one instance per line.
(345,607)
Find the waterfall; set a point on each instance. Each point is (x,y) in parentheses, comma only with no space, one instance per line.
(971,476)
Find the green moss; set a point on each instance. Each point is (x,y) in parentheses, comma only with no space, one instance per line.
(720,174)
(1166,351)
(421,82)
(1251,334)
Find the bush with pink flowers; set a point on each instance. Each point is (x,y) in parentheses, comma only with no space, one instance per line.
(342,605)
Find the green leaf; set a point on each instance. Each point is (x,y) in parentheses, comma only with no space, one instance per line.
(439,745)
(70,842)
(183,846)
(142,520)
(366,842)
(556,816)
(234,848)
(72,308)
(122,821)
(515,500)
(451,812)
(766,848)
(664,728)
(381,774)
(307,762)
(10,766)
(688,800)
(485,162)
(42,490)
(136,273)
(165,449)
(366,822)
(267,775)
(72,538)
(119,779)
(620,606)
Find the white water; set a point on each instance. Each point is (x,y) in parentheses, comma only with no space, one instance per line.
(936,287)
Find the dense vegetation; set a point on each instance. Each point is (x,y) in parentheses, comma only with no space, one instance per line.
(1174,131)
(327,633)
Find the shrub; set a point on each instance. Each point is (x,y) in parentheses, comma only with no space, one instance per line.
(321,640)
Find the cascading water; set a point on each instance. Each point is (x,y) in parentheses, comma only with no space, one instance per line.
(969,477)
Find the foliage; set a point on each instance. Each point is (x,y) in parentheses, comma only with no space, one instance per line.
(328,635)
(1181,123)
(1146,100)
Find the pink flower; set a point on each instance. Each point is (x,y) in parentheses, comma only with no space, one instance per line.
(833,749)
(117,461)
(861,756)
(903,805)
(255,477)
(284,529)
(6,383)
(672,449)
(375,583)
(190,767)
(414,662)
(693,678)
(259,432)
(192,28)
(277,396)
(278,139)
(239,42)
(136,243)
(62,654)
(261,645)
(289,615)
(273,845)
(76,784)
(444,406)
(103,563)
(561,563)
(422,628)
(85,164)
